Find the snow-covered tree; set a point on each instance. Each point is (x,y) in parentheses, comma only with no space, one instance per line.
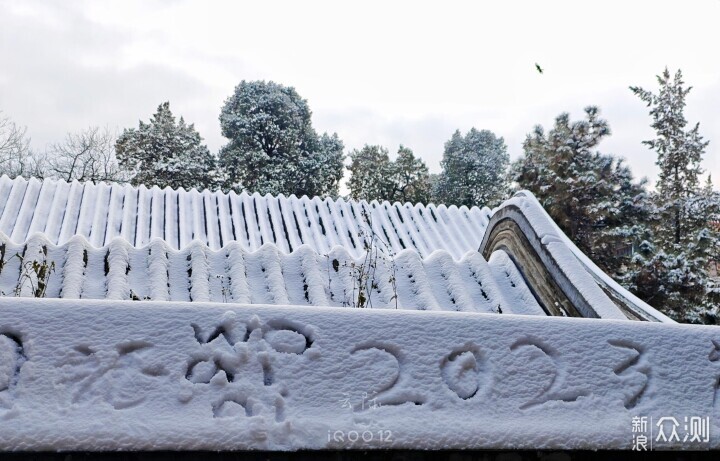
(591,196)
(675,278)
(370,174)
(373,176)
(166,153)
(679,151)
(321,173)
(474,170)
(16,157)
(273,147)
(88,155)
(411,178)
(671,270)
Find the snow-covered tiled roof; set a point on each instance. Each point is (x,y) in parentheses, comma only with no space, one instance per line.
(121,242)
(268,276)
(230,372)
(110,241)
(101,212)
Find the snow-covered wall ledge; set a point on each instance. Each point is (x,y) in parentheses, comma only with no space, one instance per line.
(119,375)
(564,280)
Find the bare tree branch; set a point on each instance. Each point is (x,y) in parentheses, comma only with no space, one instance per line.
(88,155)
(16,157)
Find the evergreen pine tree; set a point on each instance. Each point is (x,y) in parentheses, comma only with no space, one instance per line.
(321,173)
(473,170)
(165,153)
(273,147)
(373,176)
(591,196)
(679,152)
(370,174)
(411,178)
(671,270)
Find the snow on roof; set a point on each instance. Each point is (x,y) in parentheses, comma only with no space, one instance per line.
(100,212)
(268,276)
(263,358)
(109,241)
(602,295)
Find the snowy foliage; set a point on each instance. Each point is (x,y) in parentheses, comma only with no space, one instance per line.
(679,152)
(675,276)
(165,153)
(323,170)
(591,196)
(369,173)
(671,269)
(273,147)
(373,176)
(474,170)
(411,178)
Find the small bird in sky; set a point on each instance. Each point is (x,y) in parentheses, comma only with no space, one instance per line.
(539,69)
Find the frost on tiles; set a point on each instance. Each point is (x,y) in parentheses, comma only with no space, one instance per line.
(230,322)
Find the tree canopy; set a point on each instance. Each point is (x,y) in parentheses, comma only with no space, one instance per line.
(166,153)
(591,196)
(373,176)
(671,269)
(273,147)
(474,169)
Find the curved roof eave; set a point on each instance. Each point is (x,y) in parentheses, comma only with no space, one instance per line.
(563,278)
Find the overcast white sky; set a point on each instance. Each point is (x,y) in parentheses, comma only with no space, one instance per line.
(376,72)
